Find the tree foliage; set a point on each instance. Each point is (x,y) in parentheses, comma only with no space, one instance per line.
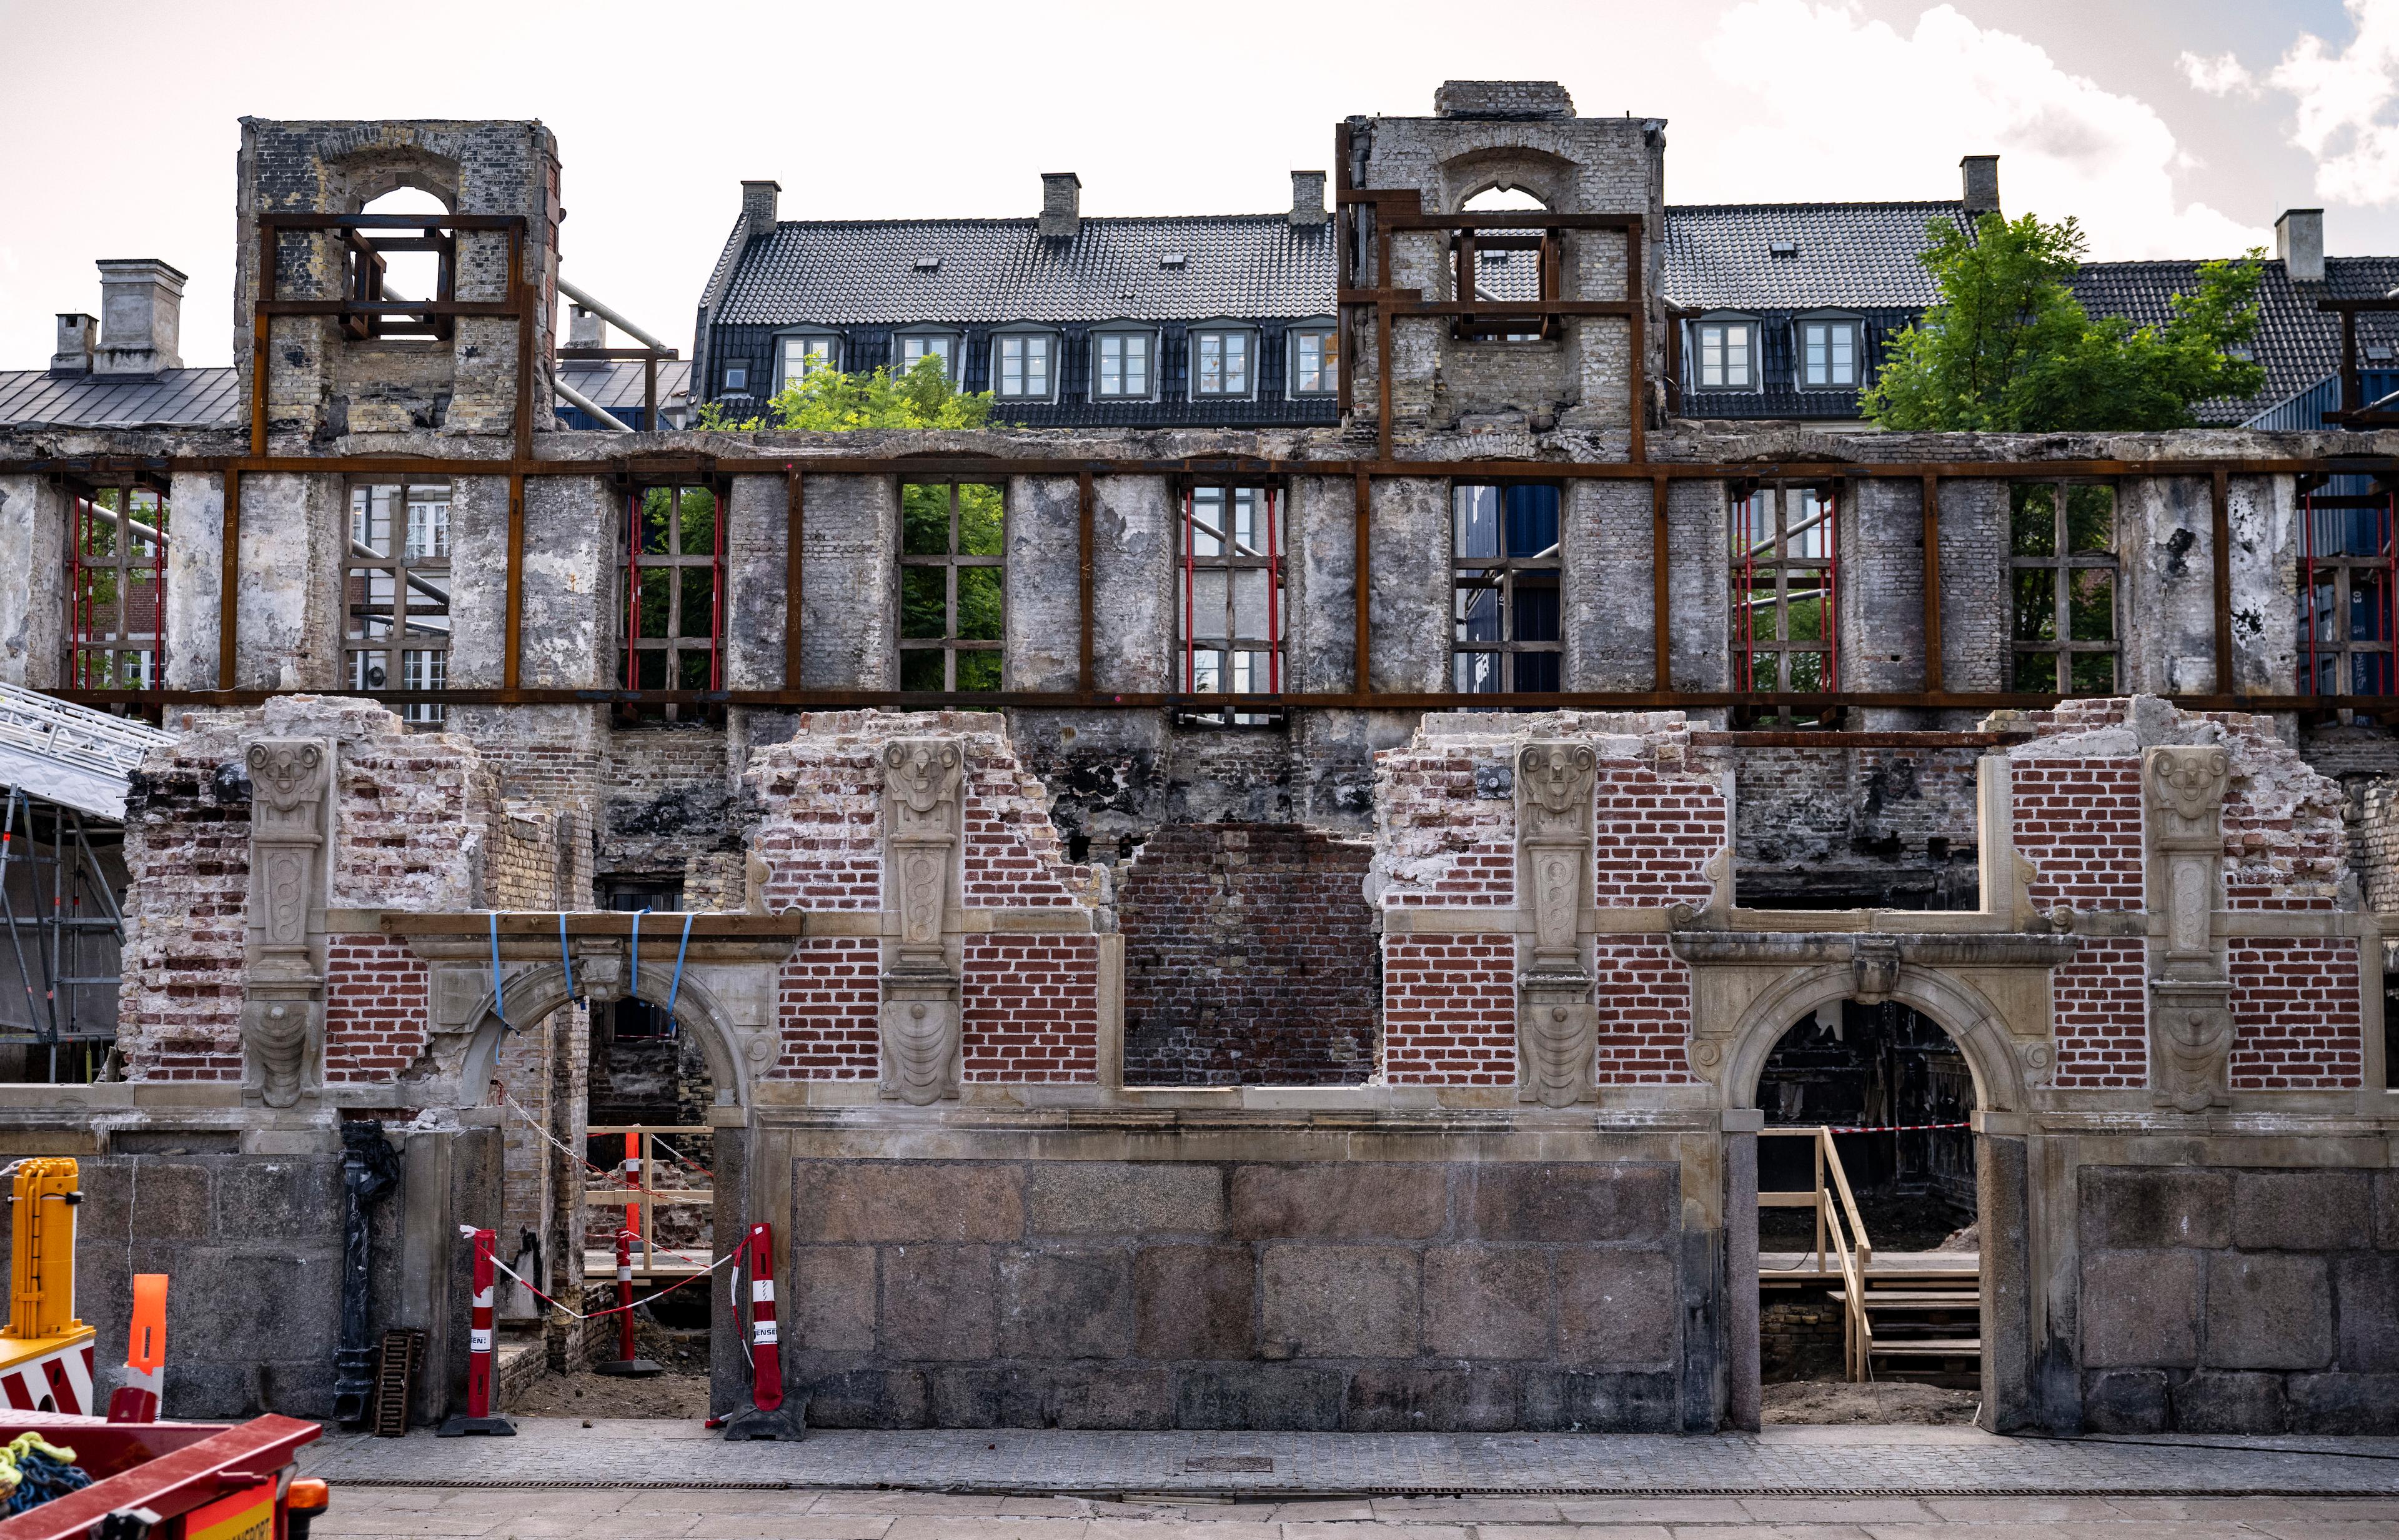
(2008,348)
(826,400)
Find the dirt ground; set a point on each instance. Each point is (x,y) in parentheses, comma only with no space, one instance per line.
(1822,1401)
(681,1392)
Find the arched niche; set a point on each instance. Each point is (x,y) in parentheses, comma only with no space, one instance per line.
(1538,173)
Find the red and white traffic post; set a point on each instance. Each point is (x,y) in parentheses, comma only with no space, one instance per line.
(628,1363)
(766,1419)
(479,1417)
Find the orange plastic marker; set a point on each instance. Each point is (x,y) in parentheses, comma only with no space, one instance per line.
(146,1354)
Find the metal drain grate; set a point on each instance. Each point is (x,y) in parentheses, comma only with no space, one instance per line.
(1227,1465)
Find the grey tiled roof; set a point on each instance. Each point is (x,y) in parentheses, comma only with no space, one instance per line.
(1852,255)
(173,397)
(617,382)
(849,273)
(2297,344)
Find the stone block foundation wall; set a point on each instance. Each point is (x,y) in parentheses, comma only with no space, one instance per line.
(1371,1296)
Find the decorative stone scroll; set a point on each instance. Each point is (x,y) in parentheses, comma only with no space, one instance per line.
(282,1011)
(1557,1024)
(2191,1007)
(921,781)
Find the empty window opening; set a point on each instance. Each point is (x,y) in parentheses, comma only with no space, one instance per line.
(1505,266)
(395,593)
(2347,619)
(1023,366)
(1121,365)
(1504,568)
(1315,361)
(1785,583)
(1233,603)
(1221,362)
(673,595)
(116,588)
(953,601)
(1727,355)
(2062,560)
(386,265)
(1829,355)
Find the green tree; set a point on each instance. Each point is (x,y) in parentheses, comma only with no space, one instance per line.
(826,400)
(2007,348)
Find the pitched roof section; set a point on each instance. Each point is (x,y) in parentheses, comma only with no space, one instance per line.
(866,273)
(1720,256)
(173,397)
(2297,344)
(614,383)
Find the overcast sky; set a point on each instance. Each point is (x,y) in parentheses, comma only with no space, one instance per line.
(2171,127)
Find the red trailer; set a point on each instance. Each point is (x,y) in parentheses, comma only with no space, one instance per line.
(173,1481)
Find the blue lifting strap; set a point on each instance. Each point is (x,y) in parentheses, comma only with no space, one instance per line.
(565,959)
(676,987)
(633,982)
(498,1008)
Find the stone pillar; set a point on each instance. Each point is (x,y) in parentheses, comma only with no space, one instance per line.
(279,1021)
(2190,1008)
(921,780)
(1744,1389)
(2002,1196)
(1557,1024)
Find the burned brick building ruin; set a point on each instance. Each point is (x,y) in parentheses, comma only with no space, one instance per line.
(1270,922)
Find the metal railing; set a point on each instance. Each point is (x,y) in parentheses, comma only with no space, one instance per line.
(1837,1217)
(636,1187)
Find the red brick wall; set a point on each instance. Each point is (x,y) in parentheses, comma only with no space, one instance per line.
(180,1001)
(1655,833)
(827,996)
(2296,1021)
(1449,1010)
(2079,822)
(1032,1008)
(1014,860)
(1448,837)
(1645,1012)
(2101,1017)
(377,997)
(1250,958)
(821,838)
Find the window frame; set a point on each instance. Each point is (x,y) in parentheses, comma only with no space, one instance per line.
(1782,565)
(1831,320)
(2063,559)
(1466,249)
(1099,336)
(1752,381)
(954,349)
(2346,568)
(949,645)
(408,575)
(1330,372)
(1191,640)
(1049,338)
(86,642)
(631,644)
(803,336)
(1516,575)
(1195,339)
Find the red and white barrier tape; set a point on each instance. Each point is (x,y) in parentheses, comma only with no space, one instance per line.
(1889,1128)
(502,1266)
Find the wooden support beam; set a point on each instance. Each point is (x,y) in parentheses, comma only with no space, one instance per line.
(1933,670)
(1639,323)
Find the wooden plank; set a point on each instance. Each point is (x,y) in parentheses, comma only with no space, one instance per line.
(1083,500)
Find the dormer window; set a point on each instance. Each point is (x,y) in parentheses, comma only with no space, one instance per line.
(1023,366)
(1828,354)
(1123,366)
(1315,360)
(914,348)
(798,356)
(1726,351)
(1221,361)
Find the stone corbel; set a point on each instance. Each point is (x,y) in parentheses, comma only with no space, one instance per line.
(921,1047)
(283,1004)
(2191,1007)
(1557,1022)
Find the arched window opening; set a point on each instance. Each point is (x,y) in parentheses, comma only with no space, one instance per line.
(390,264)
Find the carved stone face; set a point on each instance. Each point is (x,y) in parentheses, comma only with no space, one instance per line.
(2187,782)
(920,783)
(287,781)
(1553,783)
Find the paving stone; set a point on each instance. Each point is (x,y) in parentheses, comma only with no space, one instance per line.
(2302,1210)
(2267,1311)
(2124,1207)
(896,1200)
(2365,1294)
(833,1307)
(2141,1308)
(1484,1303)
(1066,1303)
(2213,1401)
(1582,1202)
(1615,1307)
(1114,1198)
(1361,1200)
(1386,1397)
(1340,1302)
(1195,1302)
(938,1303)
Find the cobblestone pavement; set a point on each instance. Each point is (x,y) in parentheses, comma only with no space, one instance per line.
(616,1514)
(1796,1461)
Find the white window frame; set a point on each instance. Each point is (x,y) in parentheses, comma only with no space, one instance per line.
(946,343)
(1000,342)
(1220,332)
(1329,380)
(1696,353)
(1101,337)
(1800,344)
(824,345)
(737,378)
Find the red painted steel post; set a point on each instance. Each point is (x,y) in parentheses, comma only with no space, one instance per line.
(625,1293)
(766,1418)
(479,1417)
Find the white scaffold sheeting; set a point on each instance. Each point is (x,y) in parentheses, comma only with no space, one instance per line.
(71,754)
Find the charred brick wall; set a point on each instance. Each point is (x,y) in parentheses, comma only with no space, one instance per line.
(1250,958)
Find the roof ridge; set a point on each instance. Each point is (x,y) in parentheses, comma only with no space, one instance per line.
(1827,203)
(782,224)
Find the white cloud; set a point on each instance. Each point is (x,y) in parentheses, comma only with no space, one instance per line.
(2222,75)
(2343,98)
(1899,108)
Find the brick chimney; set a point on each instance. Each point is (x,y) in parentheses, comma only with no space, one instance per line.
(758,201)
(141,313)
(1979,178)
(1307,199)
(77,335)
(1062,206)
(2298,240)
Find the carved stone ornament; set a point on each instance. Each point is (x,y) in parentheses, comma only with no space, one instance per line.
(1553,787)
(2191,1012)
(277,1024)
(1557,1032)
(1874,960)
(289,780)
(2191,1038)
(1557,1026)
(921,783)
